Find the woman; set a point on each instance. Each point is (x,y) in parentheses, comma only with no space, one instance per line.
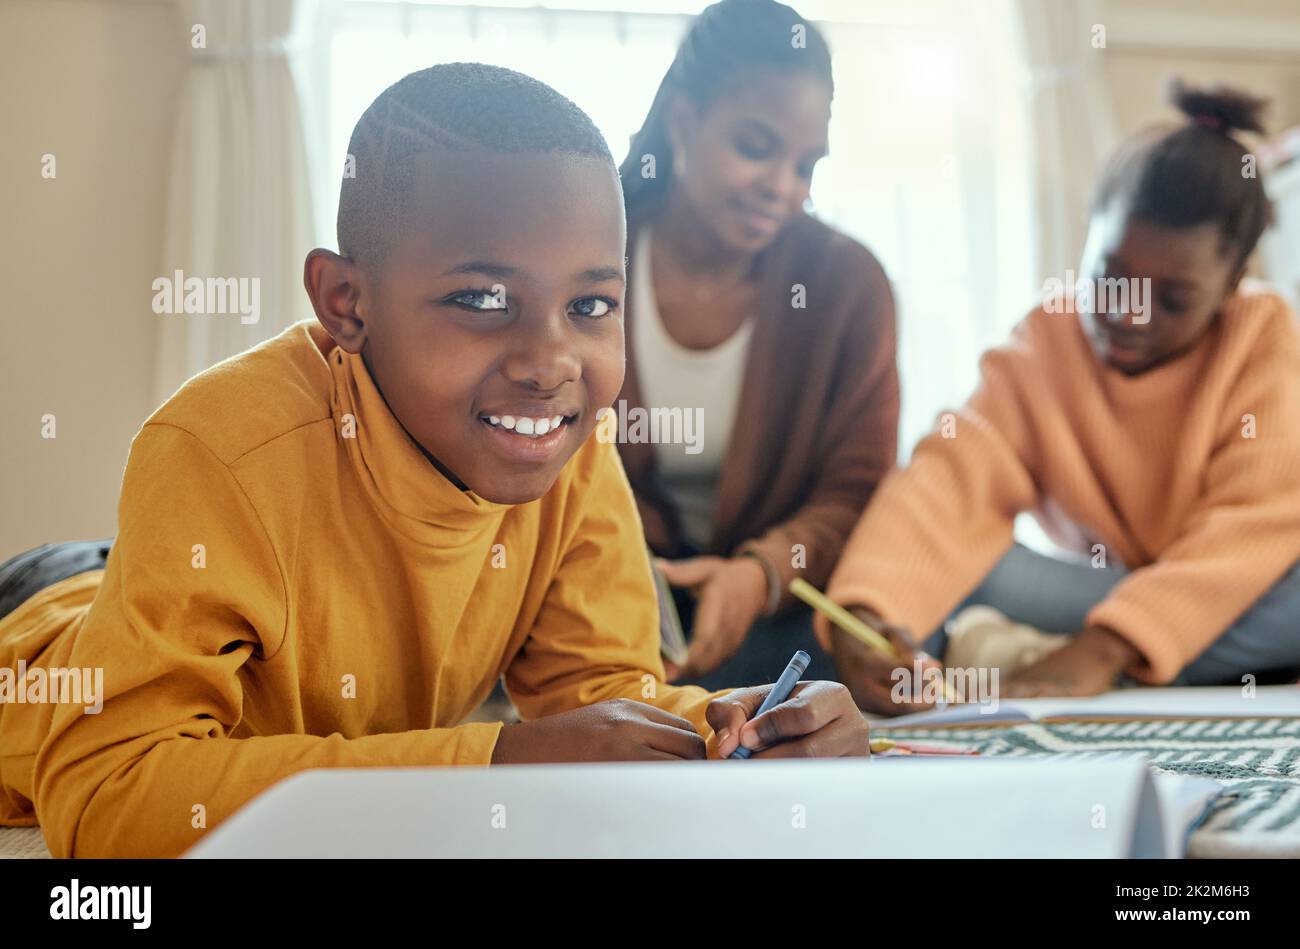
(769,327)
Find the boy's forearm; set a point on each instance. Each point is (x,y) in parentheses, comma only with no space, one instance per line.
(162,802)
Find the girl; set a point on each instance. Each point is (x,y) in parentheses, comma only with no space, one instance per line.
(1158,435)
(773,330)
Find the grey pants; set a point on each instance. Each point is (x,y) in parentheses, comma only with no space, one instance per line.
(1055,597)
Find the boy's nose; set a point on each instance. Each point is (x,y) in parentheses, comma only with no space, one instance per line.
(544,360)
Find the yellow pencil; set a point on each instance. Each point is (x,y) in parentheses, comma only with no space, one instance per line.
(850,623)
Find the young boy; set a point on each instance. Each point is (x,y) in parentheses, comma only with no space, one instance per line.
(332,546)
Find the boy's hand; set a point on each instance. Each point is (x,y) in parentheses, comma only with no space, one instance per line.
(819,720)
(617,730)
(1088,665)
(730,595)
(869,674)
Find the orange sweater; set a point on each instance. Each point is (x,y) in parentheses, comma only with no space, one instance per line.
(1156,467)
(348,607)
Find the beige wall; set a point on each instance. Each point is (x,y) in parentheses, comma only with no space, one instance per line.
(1253,44)
(95,84)
(1137,83)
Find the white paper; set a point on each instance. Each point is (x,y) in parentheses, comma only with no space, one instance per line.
(918,807)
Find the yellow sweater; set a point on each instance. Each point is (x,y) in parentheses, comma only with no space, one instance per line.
(1188,474)
(294,586)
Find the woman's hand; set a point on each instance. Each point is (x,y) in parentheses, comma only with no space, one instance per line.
(730,594)
(1089,665)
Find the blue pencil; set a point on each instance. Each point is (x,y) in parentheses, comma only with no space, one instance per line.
(780,692)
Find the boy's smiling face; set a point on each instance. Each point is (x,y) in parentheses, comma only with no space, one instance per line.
(499,300)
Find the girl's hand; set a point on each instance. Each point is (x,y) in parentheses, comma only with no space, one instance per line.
(1089,665)
(870,675)
(730,595)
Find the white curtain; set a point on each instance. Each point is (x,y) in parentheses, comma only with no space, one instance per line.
(1069,109)
(1072,129)
(239,201)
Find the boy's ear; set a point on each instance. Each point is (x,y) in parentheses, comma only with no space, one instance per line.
(333,284)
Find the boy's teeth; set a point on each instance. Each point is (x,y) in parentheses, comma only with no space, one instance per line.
(531,427)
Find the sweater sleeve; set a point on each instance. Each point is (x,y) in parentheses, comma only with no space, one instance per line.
(935,528)
(597,634)
(1240,537)
(859,445)
(192,591)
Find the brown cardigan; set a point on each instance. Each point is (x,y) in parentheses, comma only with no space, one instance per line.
(816,425)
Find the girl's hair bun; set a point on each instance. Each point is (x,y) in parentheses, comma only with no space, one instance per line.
(1221,108)
(1193,173)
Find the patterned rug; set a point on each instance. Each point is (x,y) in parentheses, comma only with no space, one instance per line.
(1256,759)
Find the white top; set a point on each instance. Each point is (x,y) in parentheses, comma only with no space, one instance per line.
(703,384)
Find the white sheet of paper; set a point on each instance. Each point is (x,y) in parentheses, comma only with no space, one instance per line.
(919,807)
(1182,801)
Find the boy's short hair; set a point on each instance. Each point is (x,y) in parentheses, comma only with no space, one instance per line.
(457,106)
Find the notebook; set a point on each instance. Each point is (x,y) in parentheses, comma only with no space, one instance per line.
(1272,701)
(672,638)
